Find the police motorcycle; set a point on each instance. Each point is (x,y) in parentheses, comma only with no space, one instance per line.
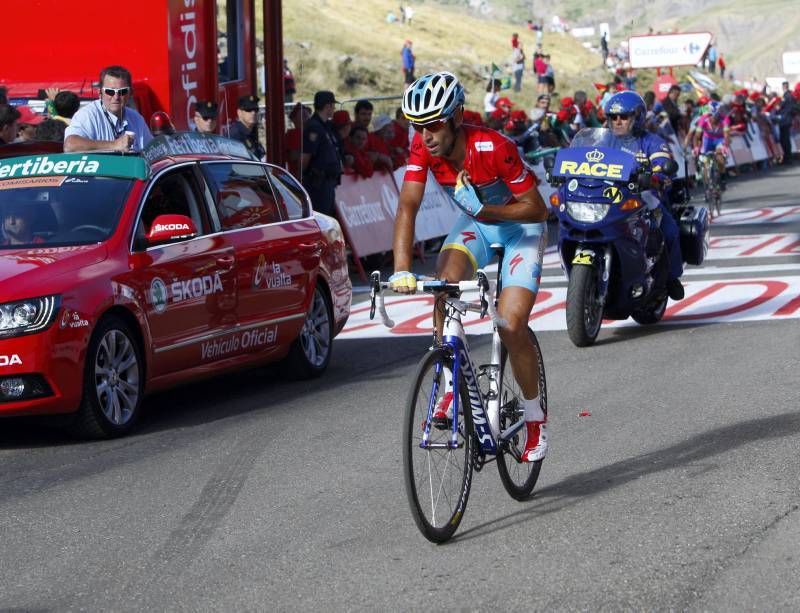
(610,243)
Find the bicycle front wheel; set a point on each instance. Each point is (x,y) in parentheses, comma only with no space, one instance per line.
(518,477)
(438,475)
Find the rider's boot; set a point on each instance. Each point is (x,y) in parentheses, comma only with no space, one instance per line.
(675,289)
(536,425)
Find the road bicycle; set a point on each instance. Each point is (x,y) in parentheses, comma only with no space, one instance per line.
(487,422)
(711,182)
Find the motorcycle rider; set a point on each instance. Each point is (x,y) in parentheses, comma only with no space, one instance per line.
(626,113)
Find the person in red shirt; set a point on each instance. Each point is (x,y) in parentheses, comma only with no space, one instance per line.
(399,143)
(355,147)
(379,142)
(483,171)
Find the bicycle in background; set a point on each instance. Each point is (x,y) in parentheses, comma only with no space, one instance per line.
(712,185)
(487,420)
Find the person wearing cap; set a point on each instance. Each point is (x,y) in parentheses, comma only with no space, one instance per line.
(26,124)
(109,123)
(321,161)
(341,126)
(205,117)
(408,62)
(245,128)
(380,153)
(9,116)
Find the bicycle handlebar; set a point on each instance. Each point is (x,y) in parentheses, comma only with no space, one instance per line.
(480,283)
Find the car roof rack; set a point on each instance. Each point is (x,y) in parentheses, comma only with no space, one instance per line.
(194,143)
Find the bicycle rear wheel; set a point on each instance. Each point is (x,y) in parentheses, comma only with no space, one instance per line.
(437,478)
(518,477)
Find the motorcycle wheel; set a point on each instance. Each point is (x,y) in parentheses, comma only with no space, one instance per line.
(584,308)
(651,314)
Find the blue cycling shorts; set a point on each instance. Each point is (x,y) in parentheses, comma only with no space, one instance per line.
(524,247)
(710,144)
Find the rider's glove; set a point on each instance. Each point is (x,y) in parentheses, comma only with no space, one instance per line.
(403,279)
(467,199)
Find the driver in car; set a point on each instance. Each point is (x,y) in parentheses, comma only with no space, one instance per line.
(18,226)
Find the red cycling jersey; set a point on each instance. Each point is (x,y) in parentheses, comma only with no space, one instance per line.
(490,156)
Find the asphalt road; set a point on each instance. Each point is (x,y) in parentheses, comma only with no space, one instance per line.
(681,490)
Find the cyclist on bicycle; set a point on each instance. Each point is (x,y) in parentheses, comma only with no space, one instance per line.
(626,113)
(712,135)
(483,171)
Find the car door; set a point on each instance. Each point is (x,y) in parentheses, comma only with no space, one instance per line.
(190,284)
(272,254)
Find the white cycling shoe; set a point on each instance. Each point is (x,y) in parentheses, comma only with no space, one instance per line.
(536,442)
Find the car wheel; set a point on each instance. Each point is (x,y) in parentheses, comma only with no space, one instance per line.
(311,350)
(113,383)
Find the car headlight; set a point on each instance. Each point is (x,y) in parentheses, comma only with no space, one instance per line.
(587,211)
(27,316)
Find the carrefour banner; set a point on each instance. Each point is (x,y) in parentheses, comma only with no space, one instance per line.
(366,209)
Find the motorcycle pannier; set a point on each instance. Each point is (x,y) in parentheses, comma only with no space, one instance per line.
(693,224)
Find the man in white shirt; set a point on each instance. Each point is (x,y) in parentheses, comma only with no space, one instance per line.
(108,124)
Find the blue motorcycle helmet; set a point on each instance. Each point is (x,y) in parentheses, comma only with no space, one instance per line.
(629,103)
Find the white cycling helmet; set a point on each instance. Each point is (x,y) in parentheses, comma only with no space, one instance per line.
(433,97)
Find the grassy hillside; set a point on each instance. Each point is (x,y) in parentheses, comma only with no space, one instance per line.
(752,34)
(351,49)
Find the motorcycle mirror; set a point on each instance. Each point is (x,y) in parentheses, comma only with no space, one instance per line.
(644,181)
(670,167)
(549,162)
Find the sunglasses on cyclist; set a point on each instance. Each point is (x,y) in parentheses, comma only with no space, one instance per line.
(622,116)
(113,91)
(433,127)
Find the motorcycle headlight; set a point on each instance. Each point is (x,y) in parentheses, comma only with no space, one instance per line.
(587,211)
(27,316)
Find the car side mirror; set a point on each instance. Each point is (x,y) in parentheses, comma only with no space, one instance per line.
(166,228)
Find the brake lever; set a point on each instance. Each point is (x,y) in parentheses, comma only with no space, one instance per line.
(375,287)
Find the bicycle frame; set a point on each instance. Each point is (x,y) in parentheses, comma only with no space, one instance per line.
(485,418)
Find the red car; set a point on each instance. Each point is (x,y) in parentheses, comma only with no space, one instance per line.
(124,274)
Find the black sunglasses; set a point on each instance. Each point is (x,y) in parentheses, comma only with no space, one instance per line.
(622,116)
(113,91)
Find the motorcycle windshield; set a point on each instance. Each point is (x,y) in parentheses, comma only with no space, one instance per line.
(595,153)
(603,137)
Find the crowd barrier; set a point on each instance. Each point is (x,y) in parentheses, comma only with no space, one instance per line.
(367,207)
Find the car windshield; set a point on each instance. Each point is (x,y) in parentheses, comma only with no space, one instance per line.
(60,211)
(603,137)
